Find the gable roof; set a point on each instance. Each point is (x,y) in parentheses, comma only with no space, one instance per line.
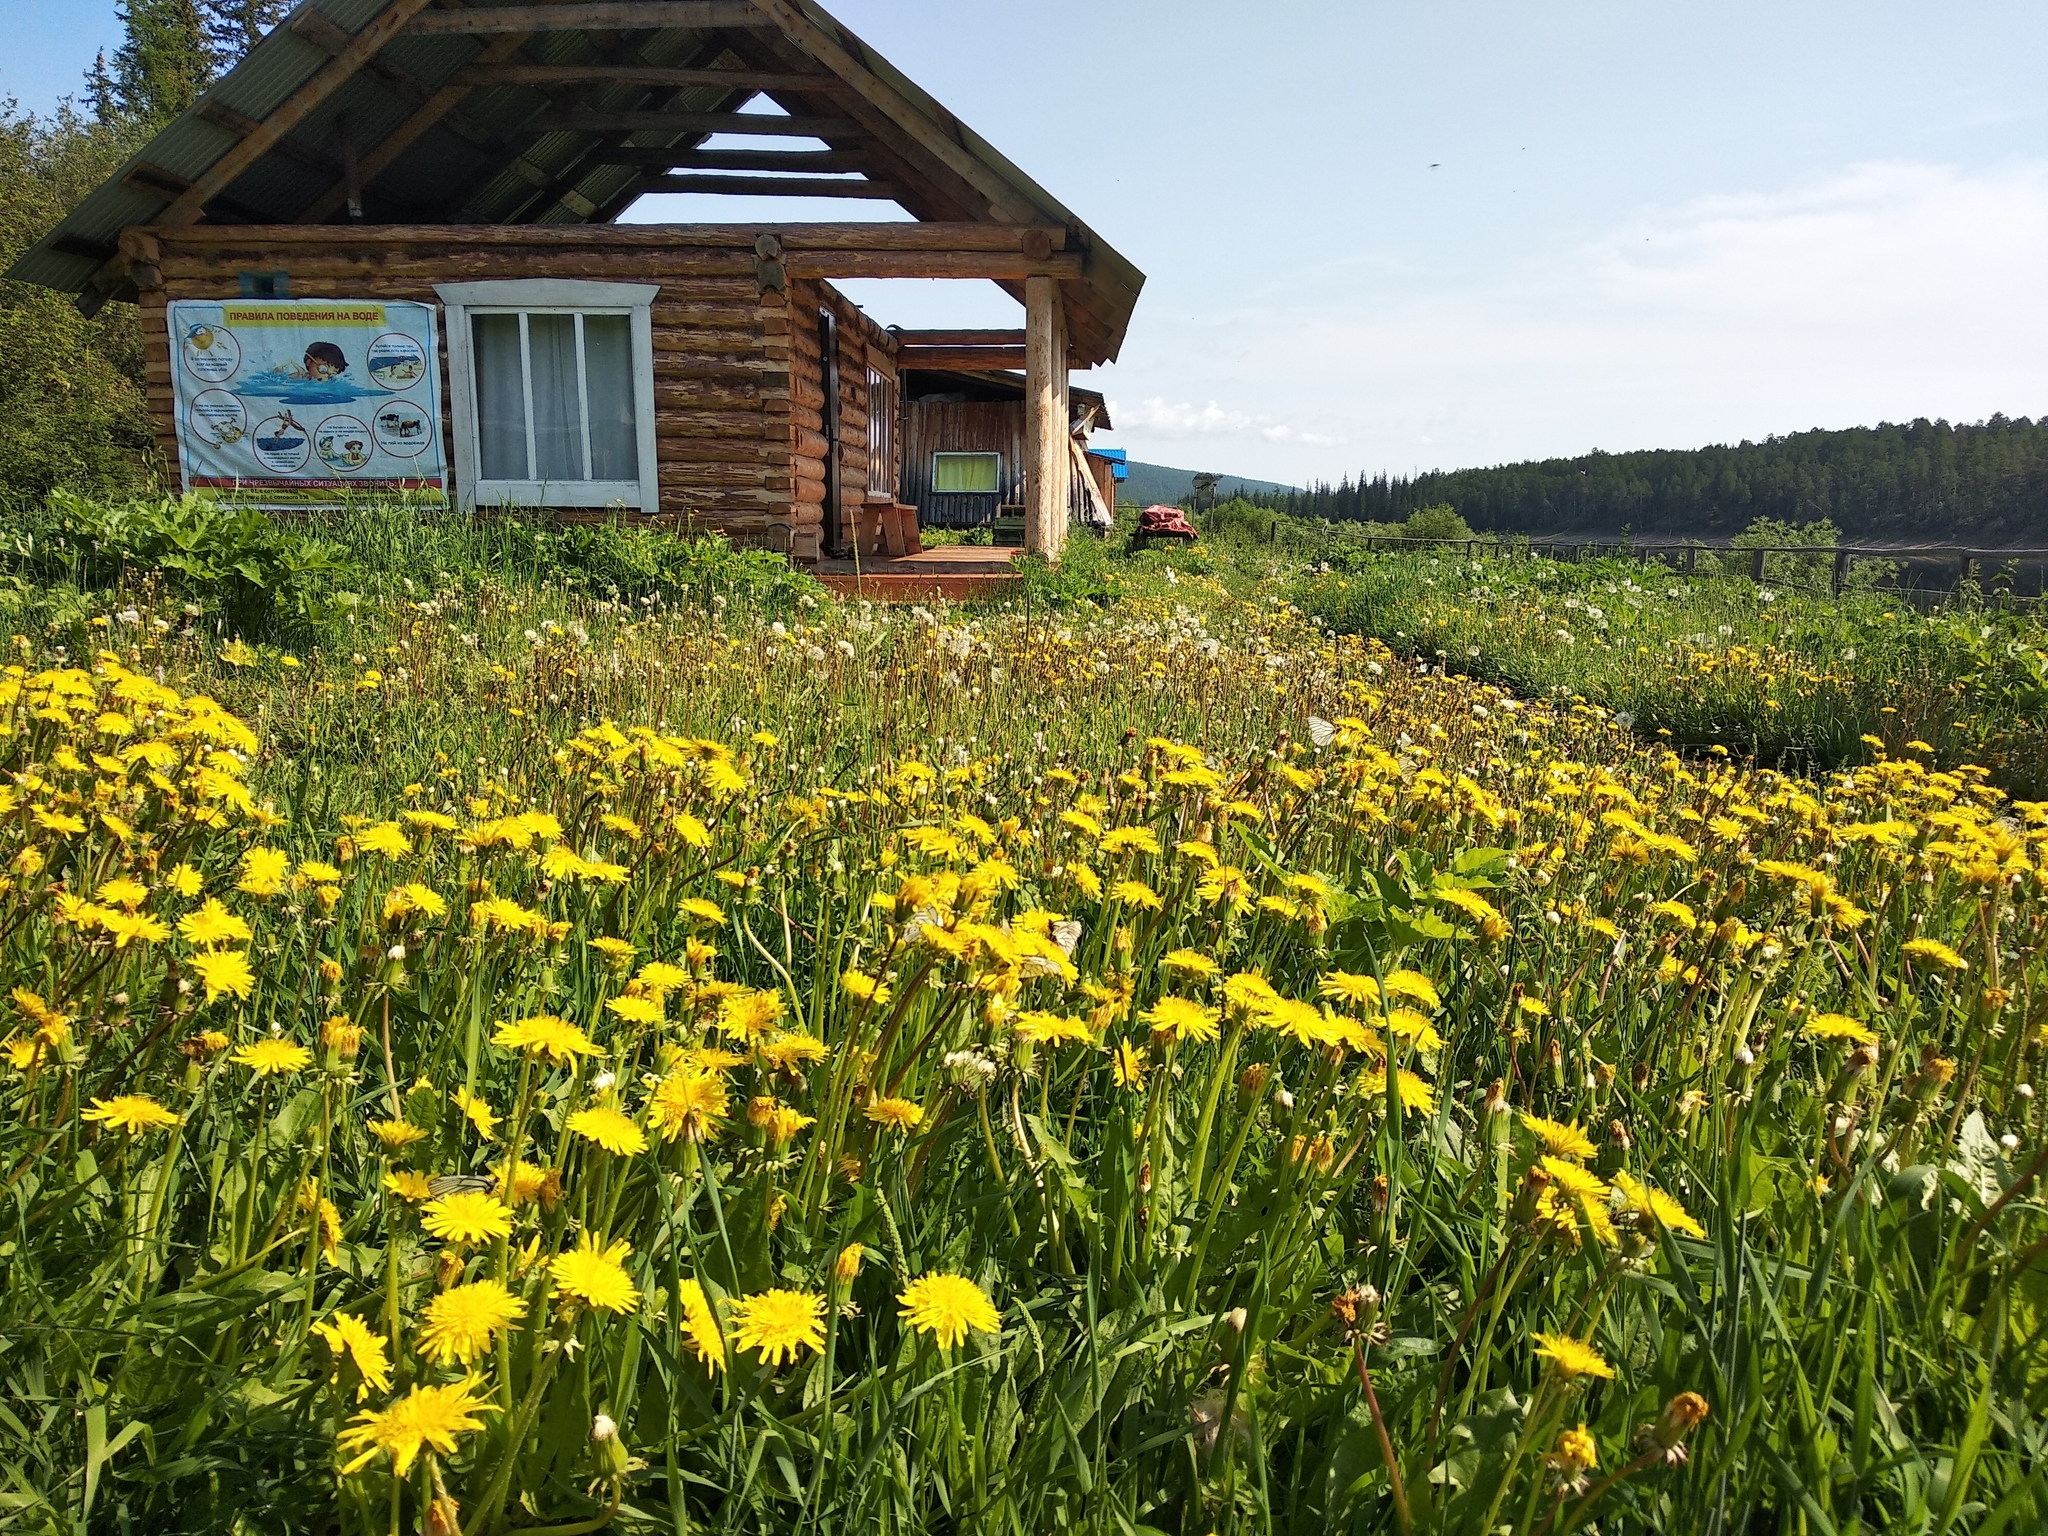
(509,112)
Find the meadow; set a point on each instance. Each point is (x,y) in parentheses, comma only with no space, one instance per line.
(541,1032)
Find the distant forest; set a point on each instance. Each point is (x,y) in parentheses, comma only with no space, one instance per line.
(1926,480)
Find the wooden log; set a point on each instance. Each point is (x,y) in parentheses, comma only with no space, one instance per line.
(1045,429)
(771,186)
(606,16)
(749,124)
(934,236)
(933,132)
(808,492)
(489,74)
(292,111)
(426,114)
(740,424)
(971,358)
(960,338)
(683,158)
(996,266)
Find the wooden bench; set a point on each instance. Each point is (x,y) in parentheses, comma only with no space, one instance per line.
(887,529)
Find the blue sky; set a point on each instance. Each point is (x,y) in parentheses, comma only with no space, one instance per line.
(1389,237)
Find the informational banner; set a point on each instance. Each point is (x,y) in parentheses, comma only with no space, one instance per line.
(307,402)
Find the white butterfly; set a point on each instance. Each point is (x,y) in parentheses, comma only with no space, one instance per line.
(1320,731)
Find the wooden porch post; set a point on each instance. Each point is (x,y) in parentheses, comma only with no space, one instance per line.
(1046,473)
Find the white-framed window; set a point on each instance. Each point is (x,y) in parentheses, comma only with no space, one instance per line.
(551,381)
(881,435)
(969,473)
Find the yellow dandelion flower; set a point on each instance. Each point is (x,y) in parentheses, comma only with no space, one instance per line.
(469,1217)
(863,988)
(1190,962)
(1136,893)
(386,838)
(780,1324)
(1571,1358)
(225,970)
(1181,1018)
(273,1057)
(1358,991)
(1558,1139)
(1414,986)
(1837,1026)
(396,1135)
(1042,1028)
(477,1111)
(1658,1206)
(899,1115)
(545,1035)
(1127,1066)
(131,1112)
(459,1325)
(636,1010)
(747,1014)
(425,1418)
(263,872)
(615,1132)
(700,1327)
(948,1307)
(690,1103)
(410,1184)
(596,1277)
(351,1339)
(1933,951)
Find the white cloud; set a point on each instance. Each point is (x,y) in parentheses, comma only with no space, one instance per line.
(1882,292)
(1161,418)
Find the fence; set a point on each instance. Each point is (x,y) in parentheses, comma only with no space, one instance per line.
(1967,561)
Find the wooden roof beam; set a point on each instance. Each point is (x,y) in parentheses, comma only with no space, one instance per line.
(795,23)
(735,159)
(289,113)
(1012,338)
(950,359)
(930,191)
(770,186)
(615,49)
(323,34)
(373,163)
(482,74)
(608,16)
(587,120)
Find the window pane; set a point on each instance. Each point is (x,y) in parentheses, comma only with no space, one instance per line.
(500,399)
(557,409)
(608,378)
(970,472)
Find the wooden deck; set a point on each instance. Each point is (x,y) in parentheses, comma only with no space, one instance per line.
(957,572)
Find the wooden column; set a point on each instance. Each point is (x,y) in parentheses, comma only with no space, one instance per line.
(1045,420)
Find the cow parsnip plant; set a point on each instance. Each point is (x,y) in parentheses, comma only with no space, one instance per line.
(1168,1071)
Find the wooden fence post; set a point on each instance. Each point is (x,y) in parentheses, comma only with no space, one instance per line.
(1691,555)
(1841,577)
(1756,567)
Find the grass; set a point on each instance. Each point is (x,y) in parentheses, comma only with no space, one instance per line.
(1139,1059)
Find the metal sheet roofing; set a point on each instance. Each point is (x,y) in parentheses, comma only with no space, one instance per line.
(495,153)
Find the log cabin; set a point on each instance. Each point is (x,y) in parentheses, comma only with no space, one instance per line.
(433,192)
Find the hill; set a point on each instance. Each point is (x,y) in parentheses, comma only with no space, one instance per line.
(1986,481)
(1158,482)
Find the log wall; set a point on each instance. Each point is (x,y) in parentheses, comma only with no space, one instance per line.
(739,439)
(859,337)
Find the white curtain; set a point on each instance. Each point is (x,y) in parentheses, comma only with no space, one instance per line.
(582,424)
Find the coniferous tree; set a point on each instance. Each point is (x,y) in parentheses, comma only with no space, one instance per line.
(163,63)
(233,27)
